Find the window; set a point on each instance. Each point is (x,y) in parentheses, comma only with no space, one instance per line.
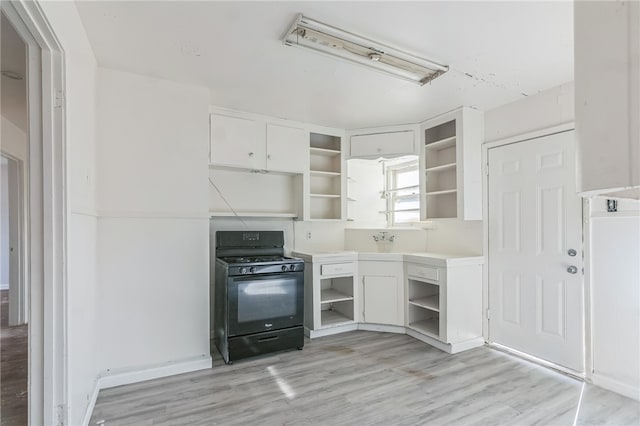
(402,191)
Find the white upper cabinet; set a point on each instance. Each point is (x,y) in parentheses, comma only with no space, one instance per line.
(451,159)
(257,145)
(287,149)
(607,95)
(237,142)
(389,144)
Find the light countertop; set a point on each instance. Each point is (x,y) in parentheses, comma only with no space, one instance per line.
(438,259)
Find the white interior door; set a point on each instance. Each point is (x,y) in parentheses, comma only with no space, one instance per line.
(535,250)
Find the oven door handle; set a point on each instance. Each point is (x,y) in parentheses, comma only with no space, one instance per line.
(268,339)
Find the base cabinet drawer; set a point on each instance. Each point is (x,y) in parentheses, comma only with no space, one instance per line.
(421,271)
(337,269)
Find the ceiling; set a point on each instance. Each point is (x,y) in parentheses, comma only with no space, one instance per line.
(13,102)
(498,52)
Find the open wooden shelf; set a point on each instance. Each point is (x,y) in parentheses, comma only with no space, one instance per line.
(332,318)
(444,191)
(325,195)
(430,302)
(331,295)
(442,167)
(322,173)
(441,144)
(324,151)
(325,172)
(429,326)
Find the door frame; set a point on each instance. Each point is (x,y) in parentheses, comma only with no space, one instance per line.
(17,238)
(486,146)
(46,204)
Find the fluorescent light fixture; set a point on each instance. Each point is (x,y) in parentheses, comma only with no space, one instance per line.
(326,39)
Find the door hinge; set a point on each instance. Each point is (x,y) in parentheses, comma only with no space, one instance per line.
(488,313)
(486,169)
(58,98)
(61,415)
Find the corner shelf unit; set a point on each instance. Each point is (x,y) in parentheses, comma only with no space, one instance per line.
(451,164)
(325,177)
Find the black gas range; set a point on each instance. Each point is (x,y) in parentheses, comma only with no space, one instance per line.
(258,295)
(253,265)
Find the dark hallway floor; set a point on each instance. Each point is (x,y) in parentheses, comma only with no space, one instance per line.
(13,368)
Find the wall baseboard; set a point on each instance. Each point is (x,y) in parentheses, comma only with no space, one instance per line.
(129,376)
(382,328)
(616,386)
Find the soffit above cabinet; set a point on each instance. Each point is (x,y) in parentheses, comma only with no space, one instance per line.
(498,52)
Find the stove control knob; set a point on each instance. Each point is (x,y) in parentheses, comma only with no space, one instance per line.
(243,271)
(252,269)
(284,268)
(292,267)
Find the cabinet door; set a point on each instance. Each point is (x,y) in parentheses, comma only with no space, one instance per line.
(382,144)
(287,149)
(381,300)
(237,142)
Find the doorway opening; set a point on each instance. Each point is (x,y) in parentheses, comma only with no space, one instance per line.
(14,161)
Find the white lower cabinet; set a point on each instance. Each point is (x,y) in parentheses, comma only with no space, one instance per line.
(434,298)
(331,303)
(444,302)
(382,292)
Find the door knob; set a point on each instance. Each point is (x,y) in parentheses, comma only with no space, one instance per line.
(572,269)
(572,252)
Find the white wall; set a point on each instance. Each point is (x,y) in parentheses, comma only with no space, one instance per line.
(4,224)
(14,140)
(80,77)
(540,111)
(311,236)
(615,295)
(153,222)
(455,237)
(405,240)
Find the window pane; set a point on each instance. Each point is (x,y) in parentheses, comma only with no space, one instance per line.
(407,178)
(405,217)
(403,175)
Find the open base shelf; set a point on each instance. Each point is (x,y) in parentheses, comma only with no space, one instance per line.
(331,295)
(332,318)
(430,327)
(430,302)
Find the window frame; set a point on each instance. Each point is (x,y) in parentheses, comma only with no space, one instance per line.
(391,189)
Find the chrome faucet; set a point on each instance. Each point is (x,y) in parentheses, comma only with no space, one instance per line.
(383,237)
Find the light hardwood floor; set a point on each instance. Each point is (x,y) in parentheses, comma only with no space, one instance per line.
(13,368)
(363,378)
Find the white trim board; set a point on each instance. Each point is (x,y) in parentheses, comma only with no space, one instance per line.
(615,386)
(130,376)
(46,228)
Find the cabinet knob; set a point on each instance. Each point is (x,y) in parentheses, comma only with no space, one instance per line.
(572,269)
(251,154)
(572,252)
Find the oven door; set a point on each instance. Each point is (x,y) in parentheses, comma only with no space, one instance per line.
(260,303)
